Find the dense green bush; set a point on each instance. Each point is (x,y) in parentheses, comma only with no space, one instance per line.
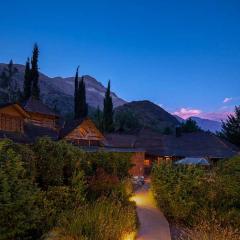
(190,195)
(19,196)
(55,161)
(49,181)
(117,164)
(176,190)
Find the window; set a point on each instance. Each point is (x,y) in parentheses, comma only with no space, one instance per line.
(146,162)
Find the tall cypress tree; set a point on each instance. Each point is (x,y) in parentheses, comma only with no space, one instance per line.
(35,73)
(27,85)
(82,104)
(76,98)
(108,111)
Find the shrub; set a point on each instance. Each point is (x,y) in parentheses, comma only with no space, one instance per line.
(210,231)
(191,195)
(47,182)
(56,162)
(102,184)
(19,197)
(117,164)
(176,189)
(103,220)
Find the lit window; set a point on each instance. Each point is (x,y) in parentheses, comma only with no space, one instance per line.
(146,162)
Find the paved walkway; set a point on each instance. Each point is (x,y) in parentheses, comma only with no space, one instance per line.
(153,224)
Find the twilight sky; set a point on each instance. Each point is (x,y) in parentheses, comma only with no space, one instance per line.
(183,55)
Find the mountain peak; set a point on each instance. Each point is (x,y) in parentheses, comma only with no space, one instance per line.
(58,92)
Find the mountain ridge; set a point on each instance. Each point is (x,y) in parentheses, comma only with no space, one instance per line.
(58,92)
(204,123)
(149,115)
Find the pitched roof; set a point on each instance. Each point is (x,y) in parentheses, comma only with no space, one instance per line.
(18,108)
(197,144)
(120,140)
(69,126)
(36,106)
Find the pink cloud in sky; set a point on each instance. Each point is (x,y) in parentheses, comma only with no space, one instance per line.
(227,99)
(219,115)
(187,112)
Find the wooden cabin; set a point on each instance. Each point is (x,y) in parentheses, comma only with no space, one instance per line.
(40,114)
(82,132)
(12,118)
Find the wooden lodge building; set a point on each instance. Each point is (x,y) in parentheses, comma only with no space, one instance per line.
(82,132)
(25,123)
(40,114)
(169,148)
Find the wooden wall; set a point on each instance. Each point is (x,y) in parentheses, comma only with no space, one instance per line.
(11,123)
(11,120)
(138,160)
(42,120)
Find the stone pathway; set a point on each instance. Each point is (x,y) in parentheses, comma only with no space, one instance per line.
(153,224)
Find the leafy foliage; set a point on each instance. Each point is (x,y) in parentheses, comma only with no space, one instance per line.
(19,196)
(27,85)
(34,72)
(108,111)
(231,128)
(8,81)
(191,195)
(190,126)
(167,131)
(117,164)
(76,94)
(126,121)
(80,104)
(55,162)
(43,184)
(97,117)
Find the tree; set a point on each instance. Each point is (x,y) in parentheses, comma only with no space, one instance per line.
(108,111)
(19,196)
(231,127)
(82,107)
(97,117)
(167,131)
(190,126)
(8,81)
(126,121)
(35,73)
(76,95)
(27,85)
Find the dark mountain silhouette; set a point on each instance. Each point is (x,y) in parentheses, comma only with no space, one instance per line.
(149,115)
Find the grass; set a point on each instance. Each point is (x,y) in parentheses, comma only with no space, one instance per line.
(103,220)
